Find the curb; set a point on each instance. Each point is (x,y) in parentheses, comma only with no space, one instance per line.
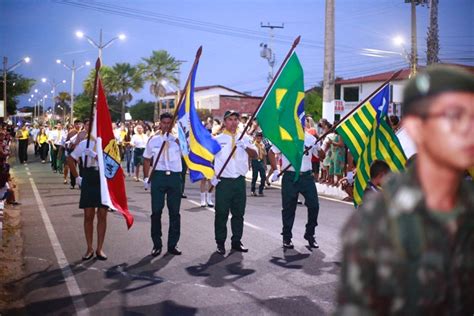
(11,255)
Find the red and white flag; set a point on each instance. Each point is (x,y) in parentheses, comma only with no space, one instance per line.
(112,183)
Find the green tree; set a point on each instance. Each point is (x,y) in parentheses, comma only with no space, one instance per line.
(105,73)
(314,104)
(63,100)
(158,69)
(142,110)
(123,78)
(82,106)
(16,86)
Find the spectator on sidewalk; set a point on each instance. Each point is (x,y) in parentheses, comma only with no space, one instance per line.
(23,136)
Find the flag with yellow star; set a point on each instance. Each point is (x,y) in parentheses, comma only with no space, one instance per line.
(280,116)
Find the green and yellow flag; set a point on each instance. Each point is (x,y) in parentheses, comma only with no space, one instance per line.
(280,116)
(369,138)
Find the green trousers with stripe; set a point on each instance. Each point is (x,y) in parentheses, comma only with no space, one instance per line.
(230,197)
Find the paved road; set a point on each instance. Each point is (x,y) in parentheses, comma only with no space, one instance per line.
(265,281)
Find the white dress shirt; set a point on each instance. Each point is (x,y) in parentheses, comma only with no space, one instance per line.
(239,163)
(309,140)
(79,152)
(170,159)
(139,141)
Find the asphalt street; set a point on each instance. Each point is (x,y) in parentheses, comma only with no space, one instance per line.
(265,281)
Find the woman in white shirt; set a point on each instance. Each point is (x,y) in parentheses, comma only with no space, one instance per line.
(138,143)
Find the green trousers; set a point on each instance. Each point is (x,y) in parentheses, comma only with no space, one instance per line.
(230,197)
(289,195)
(169,187)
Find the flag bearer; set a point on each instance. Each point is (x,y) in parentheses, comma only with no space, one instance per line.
(290,188)
(90,199)
(230,188)
(166,184)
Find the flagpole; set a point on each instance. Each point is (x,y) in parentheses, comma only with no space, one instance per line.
(91,115)
(295,43)
(392,77)
(196,60)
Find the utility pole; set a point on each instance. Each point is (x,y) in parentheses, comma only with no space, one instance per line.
(414,53)
(267,50)
(432,41)
(328,79)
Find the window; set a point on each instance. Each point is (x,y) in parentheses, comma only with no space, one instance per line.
(351,94)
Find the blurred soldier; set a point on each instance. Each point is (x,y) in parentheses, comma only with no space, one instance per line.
(291,188)
(259,165)
(409,250)
(230,188)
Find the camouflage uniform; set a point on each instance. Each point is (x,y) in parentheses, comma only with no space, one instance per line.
(400,258)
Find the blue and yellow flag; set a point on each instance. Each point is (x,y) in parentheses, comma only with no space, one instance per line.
(197,145)
(369,137)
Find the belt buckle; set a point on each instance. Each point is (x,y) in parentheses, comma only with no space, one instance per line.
(168,172)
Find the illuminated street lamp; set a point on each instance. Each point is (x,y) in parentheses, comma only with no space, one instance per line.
(6,69)
(53,84)
(73,68)
(100,45)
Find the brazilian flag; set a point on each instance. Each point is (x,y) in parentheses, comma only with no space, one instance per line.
(280,114)
(369,137)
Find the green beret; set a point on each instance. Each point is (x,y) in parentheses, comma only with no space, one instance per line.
(435,80)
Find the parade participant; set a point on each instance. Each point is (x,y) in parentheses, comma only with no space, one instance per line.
(138,142)
(290,188)
(408,250)
(23,135)
(69,147)
(378,170)
(165,185)
(259,165)
(42,140)
(230,188)
(90,199)
(206,196)
(55,140)
(34,136)
(128,152)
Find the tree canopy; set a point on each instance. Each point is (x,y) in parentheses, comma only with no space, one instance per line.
(16,86)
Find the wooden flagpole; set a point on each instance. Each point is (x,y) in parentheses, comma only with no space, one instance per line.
(295,43)
(333,128)
(91,115)
(196,60)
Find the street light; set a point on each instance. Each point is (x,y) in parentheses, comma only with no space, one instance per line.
(53,84)
(73,68)
(100,45)
(6,69)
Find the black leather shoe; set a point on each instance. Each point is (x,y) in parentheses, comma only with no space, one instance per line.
(287,244)
(220,249)
(174,251)
(311,242)
(100,256)
(239,247)
(184,196)
(88,256)
(156,252)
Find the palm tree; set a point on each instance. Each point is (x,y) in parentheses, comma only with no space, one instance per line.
(63,99)
(119,79)
(159,69)
(123,78)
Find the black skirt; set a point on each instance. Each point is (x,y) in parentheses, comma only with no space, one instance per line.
(90,189)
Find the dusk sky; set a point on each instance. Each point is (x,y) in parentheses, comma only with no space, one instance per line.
(229,32)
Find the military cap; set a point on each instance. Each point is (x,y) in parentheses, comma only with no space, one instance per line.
(231,112)
(259,134)
(433,81)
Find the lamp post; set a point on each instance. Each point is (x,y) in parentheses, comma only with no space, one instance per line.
(53,84)
(73,68)
(100,45)
(6,69)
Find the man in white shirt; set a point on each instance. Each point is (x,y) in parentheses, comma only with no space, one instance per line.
(291,188)
(230,187)
(165,184)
